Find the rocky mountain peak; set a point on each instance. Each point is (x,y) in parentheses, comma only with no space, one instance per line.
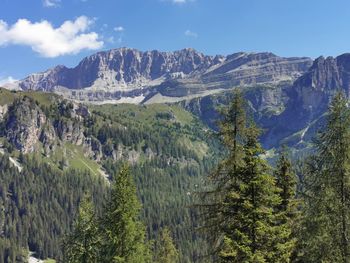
(328,74)
(119,68)
(129,73)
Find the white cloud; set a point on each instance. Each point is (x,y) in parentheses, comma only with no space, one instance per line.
(51,3)
(7,80)
(70,38)
(119,29)
(190,33)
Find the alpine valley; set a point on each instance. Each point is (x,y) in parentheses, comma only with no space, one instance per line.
(65,131)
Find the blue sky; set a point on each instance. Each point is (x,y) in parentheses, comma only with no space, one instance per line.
(39,34)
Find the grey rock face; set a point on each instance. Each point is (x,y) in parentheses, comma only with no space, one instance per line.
(23,126)
(308,100)
(27,126)
(3,111)
(292,113)
(70,131)
(127,72)
(250,69)
(323,79)
(93,148)
(120,68)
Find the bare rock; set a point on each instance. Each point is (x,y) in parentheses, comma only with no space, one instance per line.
(24,124)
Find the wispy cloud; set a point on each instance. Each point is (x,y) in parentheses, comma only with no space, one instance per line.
(70,38)
(51,3)
(190,33)
(113,40)
(119,29)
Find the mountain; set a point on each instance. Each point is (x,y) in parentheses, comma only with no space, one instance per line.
(129,75)
(288,96)
(66,147)
(289,113)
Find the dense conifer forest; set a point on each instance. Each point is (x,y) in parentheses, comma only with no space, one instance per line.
(177,192)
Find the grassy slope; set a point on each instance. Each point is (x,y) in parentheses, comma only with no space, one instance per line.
(7,96)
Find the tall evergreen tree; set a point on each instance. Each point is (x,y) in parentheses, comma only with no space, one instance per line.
(166,251)
(251,234)
(232,129)
(286,182)
(83,244)
(286,212)
(124,234)
(240,208)
(326,227)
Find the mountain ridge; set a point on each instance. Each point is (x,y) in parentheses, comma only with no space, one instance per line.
(128,73)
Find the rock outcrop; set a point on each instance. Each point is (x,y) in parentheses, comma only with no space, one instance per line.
(327,75)
(27,127)
(3,111)
(24,124)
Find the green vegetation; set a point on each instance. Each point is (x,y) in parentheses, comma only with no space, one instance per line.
(242,210)
(246,211)
(82,245)
(169,150)
(123,233)
(43,98)
(326,226)
(165,250)
(117,235)
(37,206)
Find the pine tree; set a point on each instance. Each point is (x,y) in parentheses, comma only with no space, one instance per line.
(124,234)
(232,135)
(83,244)
(286,182)
(240,210)
(326,225)
(166,251)
(287,214)
(251,232)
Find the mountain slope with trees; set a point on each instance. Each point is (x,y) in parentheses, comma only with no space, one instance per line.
(168,149)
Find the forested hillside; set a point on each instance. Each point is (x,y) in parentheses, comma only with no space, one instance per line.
(69,149)
(129,183)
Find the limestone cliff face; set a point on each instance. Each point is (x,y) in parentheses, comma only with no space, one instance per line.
(24,124)
(256,68)
(290,113)
(327,75)
(120,68)
(126,73)
(70,131)
(27,127)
